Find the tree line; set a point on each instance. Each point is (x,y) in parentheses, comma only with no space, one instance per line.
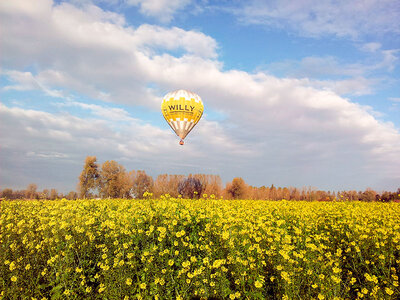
(112,180)
(31,192)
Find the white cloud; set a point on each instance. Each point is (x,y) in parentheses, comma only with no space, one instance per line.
(107,113)
(343,78)
(24,81)
(163,10)
(371,47)
(317,66)
(90,51)
(356,86)
(316,18)
(192,42)
(284,130)
(390,59)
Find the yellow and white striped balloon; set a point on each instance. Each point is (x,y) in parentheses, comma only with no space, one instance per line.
(182,110)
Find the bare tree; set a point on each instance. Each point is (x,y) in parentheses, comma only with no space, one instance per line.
(212,184)
(190,188)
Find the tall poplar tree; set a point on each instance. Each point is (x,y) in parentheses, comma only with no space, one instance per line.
(89,178)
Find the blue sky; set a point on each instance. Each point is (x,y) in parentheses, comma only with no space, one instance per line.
(296,93)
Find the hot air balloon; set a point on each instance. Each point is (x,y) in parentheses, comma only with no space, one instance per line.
(182,110)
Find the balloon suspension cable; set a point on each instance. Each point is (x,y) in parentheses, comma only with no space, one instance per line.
(181,143)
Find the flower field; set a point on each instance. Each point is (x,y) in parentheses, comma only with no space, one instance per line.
(179,249)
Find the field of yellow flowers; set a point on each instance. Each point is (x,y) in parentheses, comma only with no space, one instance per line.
(179,249)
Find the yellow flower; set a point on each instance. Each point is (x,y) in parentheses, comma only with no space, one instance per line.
(143,286)
(12,266)
(389,291)
(321,297)
(67,292)
(170,262)
(336,279)
(128,281)
(258,284)
(14,279)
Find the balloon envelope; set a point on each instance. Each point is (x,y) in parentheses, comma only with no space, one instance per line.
(182,110)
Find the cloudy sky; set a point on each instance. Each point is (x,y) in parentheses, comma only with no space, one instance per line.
(296,93)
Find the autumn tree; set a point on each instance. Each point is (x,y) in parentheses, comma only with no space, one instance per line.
(212,184)
(167,184)
(141,183)
(190,188)
(72,195)
(294,194)
(89,178)
(30,192)
(125,185)
(110,178)
(161,185)
(387,197)
(45,194)
(368,195)
(7,194)
(53,194)
(237,188)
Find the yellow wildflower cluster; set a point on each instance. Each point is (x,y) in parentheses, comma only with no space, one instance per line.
(177,249)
